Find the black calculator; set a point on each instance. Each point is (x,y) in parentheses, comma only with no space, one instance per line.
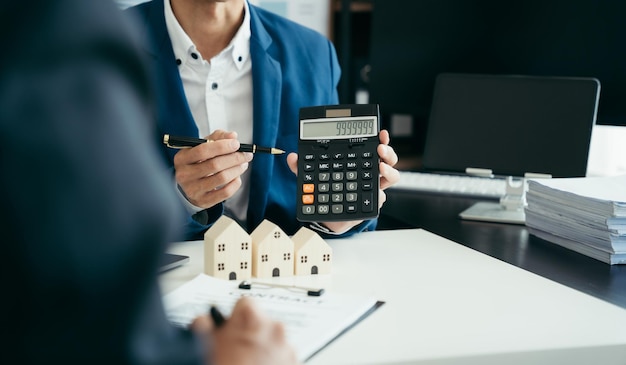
(338,175)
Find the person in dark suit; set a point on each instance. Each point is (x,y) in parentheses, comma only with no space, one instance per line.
(88,208)
(231,66)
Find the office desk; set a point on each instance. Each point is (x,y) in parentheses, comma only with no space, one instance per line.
(509,243)
(448,304)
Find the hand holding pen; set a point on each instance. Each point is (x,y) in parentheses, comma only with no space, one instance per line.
(211,172)
(247,336)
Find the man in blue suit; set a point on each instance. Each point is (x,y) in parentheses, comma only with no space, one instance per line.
(230,66)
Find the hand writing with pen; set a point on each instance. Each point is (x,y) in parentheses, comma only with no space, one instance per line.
(248,336)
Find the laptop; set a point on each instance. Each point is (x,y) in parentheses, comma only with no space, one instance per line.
(170,261)
(511,125)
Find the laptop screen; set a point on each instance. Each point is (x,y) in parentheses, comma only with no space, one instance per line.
(511,124)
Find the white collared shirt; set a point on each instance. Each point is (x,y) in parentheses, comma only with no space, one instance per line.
(219,93)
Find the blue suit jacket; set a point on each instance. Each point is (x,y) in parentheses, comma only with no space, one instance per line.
(292,67)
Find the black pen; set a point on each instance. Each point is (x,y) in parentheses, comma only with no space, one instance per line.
(217,316)
(188,142)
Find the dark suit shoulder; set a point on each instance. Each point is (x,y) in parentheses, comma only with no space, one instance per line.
(152,32)
(141,11)
(295,46)
(283,29)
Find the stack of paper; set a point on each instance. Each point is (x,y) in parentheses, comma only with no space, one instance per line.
(586,214)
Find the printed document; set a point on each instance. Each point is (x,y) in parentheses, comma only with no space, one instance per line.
(311,322)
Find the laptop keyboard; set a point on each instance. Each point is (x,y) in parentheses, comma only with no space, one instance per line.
(464,185)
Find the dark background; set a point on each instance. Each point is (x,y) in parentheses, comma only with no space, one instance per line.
(407,43)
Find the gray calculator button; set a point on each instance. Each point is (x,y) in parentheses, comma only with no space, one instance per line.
(352,186)
(337,186)
(337,176)
(337,198)
(308,209)
(351,175)
(367,204)
(323,198)
(323,209)
(323,188)
(351,197)
(337,208)
(324,176)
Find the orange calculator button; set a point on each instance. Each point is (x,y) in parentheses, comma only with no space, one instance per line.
(307,199)
(308,188)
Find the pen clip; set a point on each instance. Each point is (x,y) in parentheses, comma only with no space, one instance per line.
(312,292)
(175,146)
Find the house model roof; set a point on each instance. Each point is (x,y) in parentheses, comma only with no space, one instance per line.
(306,236)
(266,229)
(222,225)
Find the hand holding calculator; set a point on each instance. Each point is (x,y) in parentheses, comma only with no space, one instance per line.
(338,176)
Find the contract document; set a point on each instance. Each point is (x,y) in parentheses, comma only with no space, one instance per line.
(311,322)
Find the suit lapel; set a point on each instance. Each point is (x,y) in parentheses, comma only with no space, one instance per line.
(174,114)
(266,84)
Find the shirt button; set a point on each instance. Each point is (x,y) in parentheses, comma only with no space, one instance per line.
(178,61)
(194,56)
(214,86)
(239,58)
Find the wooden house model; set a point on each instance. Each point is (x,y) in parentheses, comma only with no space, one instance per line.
(312,255)
(227,250)
(272,251)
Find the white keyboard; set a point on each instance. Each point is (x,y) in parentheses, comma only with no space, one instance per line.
(452,184)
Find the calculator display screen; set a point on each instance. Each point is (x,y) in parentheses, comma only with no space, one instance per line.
(339,128)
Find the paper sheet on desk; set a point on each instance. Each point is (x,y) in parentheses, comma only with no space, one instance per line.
(310,322)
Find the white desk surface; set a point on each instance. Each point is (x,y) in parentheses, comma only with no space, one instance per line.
(448,304)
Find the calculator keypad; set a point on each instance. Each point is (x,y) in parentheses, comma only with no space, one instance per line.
(338,185)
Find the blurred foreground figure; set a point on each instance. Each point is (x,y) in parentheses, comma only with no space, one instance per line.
(87,208)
